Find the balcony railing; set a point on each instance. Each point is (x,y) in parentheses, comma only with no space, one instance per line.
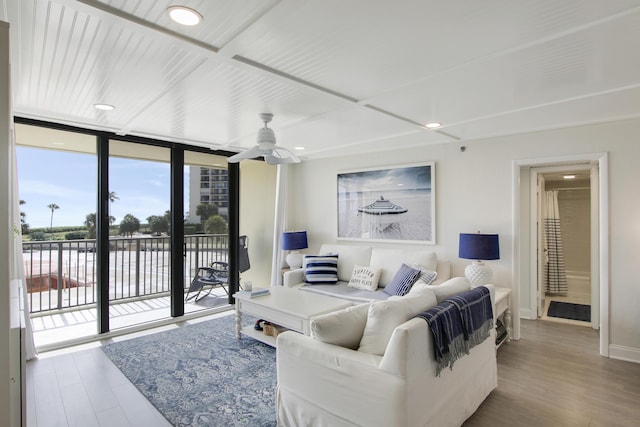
(62,274)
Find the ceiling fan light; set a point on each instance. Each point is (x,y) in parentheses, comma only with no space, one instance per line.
(266,135)
(433,125)
(266,147)
(184,15)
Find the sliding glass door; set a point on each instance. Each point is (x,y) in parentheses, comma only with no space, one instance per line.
(57,186)
(139,248)
(206,205)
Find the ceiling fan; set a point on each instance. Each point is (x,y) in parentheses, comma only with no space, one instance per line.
(266,147)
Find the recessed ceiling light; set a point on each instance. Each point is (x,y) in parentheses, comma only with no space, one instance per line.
(298,148)
(104,107)
(184,15)
(569,177)
(433,125)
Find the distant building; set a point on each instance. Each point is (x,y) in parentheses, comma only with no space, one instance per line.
(208,185)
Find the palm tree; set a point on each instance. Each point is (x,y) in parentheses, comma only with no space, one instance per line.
(23,219)
(53,207)
(112,198)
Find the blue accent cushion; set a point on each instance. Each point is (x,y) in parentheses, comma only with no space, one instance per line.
(321,269)
(403,280)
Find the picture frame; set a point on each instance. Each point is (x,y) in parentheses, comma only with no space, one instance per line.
(388,204)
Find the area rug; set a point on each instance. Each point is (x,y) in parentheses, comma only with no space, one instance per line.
(202,375)
(567,310)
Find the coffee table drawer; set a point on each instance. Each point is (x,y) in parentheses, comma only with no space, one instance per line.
(290,308)
(274,316)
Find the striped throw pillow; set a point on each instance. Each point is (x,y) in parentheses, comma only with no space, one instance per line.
(403,280)
(321,269)
(426,276)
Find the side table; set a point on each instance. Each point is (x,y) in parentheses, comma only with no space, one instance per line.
(503,309)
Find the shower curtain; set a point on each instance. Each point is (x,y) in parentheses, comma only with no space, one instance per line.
(555,276)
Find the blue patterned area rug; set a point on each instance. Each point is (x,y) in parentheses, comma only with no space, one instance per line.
(567,310)
(202,375)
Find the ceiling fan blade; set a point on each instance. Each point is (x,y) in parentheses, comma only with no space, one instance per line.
(272,160)
(250,153)
(283,153)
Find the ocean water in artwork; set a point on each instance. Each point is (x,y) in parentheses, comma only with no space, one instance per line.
(358,222)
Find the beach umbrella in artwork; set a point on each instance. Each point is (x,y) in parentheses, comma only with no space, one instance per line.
(383,214)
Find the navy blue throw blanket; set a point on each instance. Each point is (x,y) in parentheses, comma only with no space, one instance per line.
(458,324)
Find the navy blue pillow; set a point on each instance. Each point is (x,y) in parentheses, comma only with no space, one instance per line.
(403,281)
(321,269)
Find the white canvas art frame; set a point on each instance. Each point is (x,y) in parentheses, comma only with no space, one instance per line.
(387,204)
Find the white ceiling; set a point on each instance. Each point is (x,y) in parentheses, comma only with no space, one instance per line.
(340,76)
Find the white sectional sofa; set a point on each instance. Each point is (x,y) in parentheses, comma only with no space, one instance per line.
(389,260)
(373,364)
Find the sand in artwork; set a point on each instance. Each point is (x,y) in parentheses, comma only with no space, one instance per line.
(414,224)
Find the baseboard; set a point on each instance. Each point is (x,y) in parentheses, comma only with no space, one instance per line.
(525,313)
(620,352)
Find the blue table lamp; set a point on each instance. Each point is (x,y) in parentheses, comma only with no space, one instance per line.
(479,247)
(294,241)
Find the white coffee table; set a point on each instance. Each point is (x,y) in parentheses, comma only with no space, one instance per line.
(288,307)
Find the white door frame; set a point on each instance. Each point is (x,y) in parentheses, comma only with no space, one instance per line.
(538,201)
(522,238)
(536,270)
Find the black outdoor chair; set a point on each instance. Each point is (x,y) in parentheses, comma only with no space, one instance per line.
(217,275)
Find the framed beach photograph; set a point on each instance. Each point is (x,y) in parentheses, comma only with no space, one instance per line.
(390,204)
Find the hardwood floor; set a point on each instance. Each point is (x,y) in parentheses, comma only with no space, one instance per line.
(553,376)
(81,387)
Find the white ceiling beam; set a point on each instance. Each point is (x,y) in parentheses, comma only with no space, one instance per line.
(227,54)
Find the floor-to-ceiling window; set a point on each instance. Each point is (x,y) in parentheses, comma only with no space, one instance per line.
(57,183)
(134,183)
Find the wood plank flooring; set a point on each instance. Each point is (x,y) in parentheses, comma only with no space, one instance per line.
(553,376)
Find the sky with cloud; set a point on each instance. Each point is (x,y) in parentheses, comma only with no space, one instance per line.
(69,180)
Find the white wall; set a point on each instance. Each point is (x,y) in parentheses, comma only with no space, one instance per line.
(10,356)
(474,192)
(257,212)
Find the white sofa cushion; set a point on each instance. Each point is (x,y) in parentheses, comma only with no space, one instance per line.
(425,281)
(390,261)
(384,316)
(365,278)
(451,287)
(342,327)
(348,257)
(444,272)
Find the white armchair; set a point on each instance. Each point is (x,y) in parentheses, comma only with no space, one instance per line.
(321,384)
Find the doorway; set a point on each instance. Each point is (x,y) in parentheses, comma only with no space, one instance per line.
(564,215)
(525,291)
